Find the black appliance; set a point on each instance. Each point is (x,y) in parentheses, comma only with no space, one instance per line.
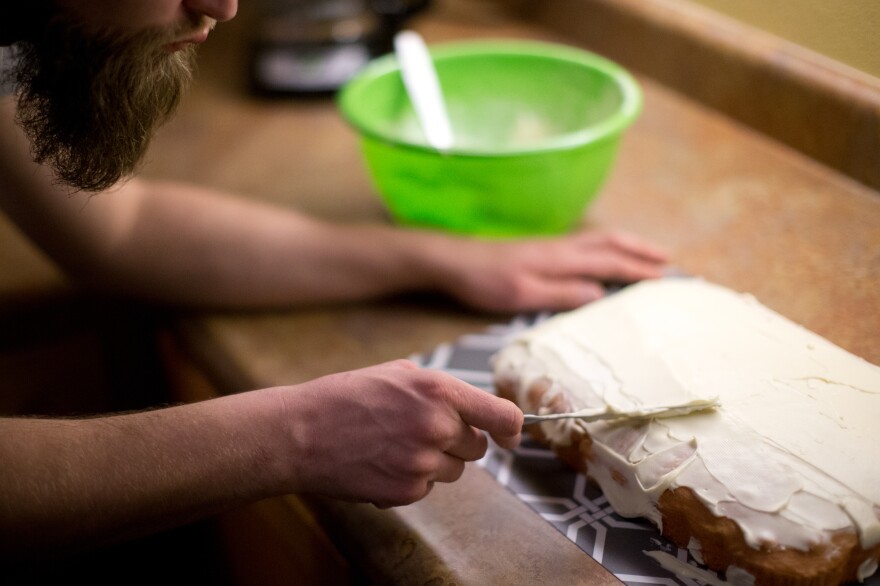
(308,47)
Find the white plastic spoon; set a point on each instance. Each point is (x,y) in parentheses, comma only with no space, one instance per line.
(423,87)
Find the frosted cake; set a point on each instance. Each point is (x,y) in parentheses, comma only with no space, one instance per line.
(779,483)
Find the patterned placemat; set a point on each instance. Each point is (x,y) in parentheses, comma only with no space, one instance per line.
(564,498)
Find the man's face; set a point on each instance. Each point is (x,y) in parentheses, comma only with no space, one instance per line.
(101,77)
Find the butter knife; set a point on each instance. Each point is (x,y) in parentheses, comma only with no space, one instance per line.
(607,413)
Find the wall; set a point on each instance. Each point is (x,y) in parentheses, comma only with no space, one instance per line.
(845,30)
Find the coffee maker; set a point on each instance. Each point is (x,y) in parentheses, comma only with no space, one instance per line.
(312,47)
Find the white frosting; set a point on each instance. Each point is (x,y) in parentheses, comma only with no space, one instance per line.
(735,576)
(792,453)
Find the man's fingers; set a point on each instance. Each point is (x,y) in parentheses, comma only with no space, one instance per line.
(624,242)
(508,442)
(485,411)
(449,469)
(604,265)
(635,246)
(618,267)
(469,444)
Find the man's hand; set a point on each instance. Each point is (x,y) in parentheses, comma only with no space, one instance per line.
(559,273)
(385,434)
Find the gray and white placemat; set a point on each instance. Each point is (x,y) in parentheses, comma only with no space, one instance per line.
(563,497)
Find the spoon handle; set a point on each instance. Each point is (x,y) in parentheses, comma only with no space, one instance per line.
(420,79)
(601,414)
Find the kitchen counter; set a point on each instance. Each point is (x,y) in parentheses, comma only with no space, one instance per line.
(732,205)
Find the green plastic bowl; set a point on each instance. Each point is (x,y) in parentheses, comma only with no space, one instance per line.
(537,127)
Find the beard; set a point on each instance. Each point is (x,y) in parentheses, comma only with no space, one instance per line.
(90,102)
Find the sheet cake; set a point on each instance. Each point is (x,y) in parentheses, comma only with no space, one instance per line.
(780,484)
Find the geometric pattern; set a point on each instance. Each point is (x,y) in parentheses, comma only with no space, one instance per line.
(561,496)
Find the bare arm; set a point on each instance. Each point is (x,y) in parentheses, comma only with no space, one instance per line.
(382,434)
(184,244)
(70,483)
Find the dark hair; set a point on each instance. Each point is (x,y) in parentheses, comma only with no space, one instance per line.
(23,20)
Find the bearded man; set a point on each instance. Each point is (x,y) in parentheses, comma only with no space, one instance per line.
(91,100)
(92,81)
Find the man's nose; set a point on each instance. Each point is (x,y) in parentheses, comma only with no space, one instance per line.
(219,10)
